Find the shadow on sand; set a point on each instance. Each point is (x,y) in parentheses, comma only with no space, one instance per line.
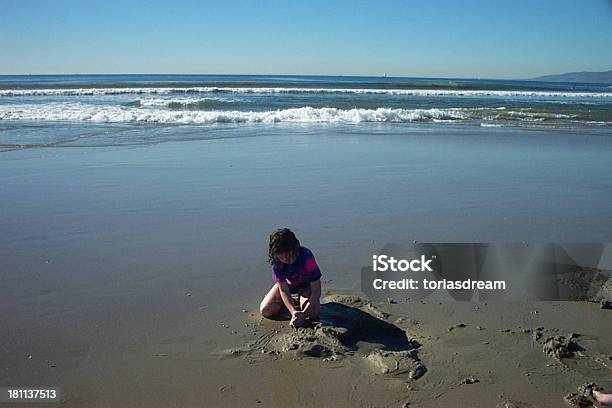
(361,327)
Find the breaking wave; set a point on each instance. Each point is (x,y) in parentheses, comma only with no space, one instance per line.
(80,112)
(117,114)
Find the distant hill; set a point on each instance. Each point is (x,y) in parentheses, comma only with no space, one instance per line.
(591,77)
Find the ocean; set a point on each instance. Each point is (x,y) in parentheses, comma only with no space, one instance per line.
(31,105)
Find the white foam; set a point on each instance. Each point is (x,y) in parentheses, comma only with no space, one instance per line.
(277,90)
(180,101)
(525,114)
(78,112)
(81,112)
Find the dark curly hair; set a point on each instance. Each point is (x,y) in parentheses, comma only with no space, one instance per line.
(281,240)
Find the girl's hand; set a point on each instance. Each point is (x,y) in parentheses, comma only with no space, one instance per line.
(297,319)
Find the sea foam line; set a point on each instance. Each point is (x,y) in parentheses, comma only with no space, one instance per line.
(278,90)
(80,112)
(185,102)
(77,112)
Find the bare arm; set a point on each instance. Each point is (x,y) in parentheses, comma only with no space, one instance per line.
(286,296)
(315,295)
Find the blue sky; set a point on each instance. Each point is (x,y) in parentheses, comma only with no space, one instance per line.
(489,39)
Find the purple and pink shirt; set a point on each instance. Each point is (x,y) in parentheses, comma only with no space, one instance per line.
(298,274)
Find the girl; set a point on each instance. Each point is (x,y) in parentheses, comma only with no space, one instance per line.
(295,271)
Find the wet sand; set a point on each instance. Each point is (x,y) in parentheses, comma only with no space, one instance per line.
(125,272)
(475,354)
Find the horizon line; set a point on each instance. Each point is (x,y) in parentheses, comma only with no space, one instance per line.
(307,75)
(286,75)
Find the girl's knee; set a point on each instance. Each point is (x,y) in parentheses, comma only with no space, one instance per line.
(263,307)
(268,310)
(269,305)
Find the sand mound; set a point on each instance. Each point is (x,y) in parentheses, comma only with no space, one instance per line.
(560,346)
(576,400)
(348,328)
(584,396)
(397,363)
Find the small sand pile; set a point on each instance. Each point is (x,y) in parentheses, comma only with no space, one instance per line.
(560,346)
(584,396)
(576,400)
(397,363)
(314,341)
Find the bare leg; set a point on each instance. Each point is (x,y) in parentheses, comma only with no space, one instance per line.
(309,303)
(605,399)
(272,304)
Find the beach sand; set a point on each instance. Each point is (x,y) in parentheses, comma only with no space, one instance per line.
(132,276)
(474,354)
